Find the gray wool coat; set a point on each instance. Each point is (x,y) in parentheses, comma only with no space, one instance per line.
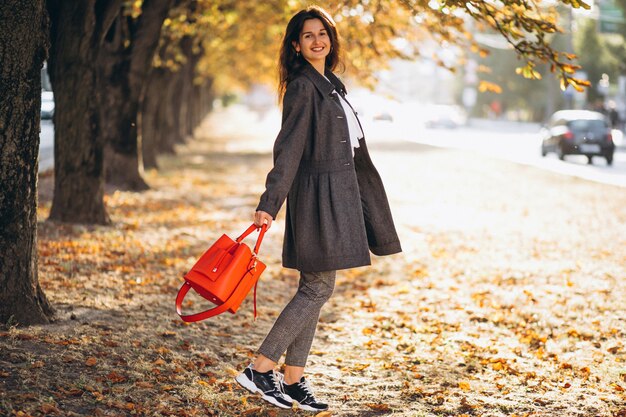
(337,208)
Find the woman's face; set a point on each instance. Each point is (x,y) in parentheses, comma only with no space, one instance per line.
(314,44)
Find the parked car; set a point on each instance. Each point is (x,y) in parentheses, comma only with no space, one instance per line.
(47,104)
(442,116)
(383,116)
(578,132)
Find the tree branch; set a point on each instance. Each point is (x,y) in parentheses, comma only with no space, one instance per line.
(106,11)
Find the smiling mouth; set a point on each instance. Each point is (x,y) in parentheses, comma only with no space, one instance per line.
(320,49)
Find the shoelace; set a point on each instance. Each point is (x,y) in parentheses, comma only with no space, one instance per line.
(277,379)
(307,389)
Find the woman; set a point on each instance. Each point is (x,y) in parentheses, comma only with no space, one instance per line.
(337,209)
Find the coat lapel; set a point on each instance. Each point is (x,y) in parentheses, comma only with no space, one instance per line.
(321,83)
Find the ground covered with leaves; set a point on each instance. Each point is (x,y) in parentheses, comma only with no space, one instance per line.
(509,298)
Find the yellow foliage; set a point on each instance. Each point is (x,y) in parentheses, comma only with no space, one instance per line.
(489,86)
(238,42)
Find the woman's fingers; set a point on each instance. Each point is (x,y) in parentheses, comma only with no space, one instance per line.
(261,217)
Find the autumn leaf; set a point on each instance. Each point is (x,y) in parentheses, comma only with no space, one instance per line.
(115,377)
(91,361)
(252,412)
(204,383)
(48,408)
(382,407)
(613,350)
(489,86)
(368,330)
(465,386)
(497,366)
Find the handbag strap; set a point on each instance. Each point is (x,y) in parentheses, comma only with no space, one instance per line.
(240,291)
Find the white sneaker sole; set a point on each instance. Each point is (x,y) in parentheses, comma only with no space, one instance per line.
(308,407)
(249,385)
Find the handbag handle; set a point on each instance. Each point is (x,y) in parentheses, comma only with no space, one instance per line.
(251,229)
(240,291)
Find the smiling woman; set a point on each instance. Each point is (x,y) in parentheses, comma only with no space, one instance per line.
(337,209)
(314,44)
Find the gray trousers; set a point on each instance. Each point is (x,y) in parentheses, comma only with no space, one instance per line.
(295,327)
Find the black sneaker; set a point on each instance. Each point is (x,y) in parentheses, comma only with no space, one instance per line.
(301,393)
(268,384)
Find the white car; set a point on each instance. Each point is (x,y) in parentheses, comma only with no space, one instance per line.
(47,104)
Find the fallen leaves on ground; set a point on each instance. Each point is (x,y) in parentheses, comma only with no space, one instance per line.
(507,300)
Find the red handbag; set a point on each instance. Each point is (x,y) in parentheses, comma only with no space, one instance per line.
(224,275)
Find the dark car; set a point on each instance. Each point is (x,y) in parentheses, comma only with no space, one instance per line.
(578,132)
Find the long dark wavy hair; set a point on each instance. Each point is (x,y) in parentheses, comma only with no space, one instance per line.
(290,63)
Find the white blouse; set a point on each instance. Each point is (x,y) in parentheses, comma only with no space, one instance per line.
(354,128)
(353,124)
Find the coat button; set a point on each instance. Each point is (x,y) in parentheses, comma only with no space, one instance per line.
(347,164)
(343,141)
(339,117)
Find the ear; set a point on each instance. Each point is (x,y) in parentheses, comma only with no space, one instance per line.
(296,46)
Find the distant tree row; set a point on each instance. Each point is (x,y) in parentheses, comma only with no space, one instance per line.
(598,53)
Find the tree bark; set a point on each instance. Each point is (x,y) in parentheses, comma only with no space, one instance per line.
(193,58)
(172,115)
(23,49)
(77,32)
(152,109)
(125,62)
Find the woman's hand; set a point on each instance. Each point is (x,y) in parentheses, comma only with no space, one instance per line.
(261,217)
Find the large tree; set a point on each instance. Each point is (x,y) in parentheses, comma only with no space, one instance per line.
(23,48)
(77,34)
(125,62)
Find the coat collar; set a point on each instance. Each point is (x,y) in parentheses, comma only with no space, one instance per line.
(325,87)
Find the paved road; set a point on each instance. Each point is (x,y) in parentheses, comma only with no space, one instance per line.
(517,142)
(46,146)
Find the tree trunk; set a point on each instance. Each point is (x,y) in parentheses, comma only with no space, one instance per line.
(171,134)
(153,104)
(23,48)
(206,100)
(77,30)
(203,103)
(125,62)
(187,72)
(192,93)
(165,126)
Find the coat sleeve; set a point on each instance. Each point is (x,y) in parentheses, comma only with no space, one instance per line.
(289,146)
